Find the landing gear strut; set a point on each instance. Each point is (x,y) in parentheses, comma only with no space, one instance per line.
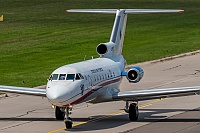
(132,109)
(68,120)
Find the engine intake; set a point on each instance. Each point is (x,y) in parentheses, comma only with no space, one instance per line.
(102,49)
(135,74)
(106,49)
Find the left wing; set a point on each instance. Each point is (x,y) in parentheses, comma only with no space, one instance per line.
(23,90)
(156,93)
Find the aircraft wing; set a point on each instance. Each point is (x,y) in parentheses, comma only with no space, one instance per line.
(141,95)
(23,90)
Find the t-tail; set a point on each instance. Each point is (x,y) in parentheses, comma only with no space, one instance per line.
(114,47)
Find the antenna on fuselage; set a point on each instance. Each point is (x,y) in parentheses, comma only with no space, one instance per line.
(85,57)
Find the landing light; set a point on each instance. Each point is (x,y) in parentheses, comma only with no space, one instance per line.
(52,106)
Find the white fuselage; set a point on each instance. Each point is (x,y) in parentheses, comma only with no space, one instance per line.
(94,81)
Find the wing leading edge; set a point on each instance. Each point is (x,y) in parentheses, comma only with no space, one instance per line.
(23,90)
(156,93)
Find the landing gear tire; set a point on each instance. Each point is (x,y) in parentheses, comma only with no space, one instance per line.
(68,123)
(133,112)
(59,114)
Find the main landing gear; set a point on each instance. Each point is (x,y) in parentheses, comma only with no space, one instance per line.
(63,114)
(132,109)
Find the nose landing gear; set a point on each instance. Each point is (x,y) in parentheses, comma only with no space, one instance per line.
(68,120)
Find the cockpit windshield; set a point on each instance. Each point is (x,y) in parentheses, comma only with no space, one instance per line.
(76,76)
(62,77)
(70,76)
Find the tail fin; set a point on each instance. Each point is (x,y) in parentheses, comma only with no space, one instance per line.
(114,47)
(118,31)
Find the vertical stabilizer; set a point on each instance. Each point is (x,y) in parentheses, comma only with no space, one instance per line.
(118,31)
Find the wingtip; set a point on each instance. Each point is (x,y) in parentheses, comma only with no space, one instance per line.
(181,11)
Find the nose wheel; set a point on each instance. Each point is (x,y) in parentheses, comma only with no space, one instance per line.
(68,123)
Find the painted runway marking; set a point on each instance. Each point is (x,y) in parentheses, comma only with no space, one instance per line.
(108,115)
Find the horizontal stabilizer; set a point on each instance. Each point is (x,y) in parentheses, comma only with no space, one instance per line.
(93,10)
(133,11)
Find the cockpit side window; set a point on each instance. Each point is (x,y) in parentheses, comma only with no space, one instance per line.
(62,76)
(70,76)
(54,77)
(81,76)
(77,77)
(51,77)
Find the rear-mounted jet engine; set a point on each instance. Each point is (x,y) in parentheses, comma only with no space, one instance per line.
(134,74)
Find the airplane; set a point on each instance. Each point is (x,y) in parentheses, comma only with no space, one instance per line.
(98,80)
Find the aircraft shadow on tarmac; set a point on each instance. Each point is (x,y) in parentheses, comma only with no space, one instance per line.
(26,119)
(153,115)
(146,115)
(96,123)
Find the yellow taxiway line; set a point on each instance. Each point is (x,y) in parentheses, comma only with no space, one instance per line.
(107,116)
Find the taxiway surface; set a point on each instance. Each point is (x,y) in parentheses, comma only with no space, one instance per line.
(20,113)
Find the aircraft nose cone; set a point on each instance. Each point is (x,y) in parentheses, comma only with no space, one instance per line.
(57,94)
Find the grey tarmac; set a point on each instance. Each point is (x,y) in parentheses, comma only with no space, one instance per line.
(22,114)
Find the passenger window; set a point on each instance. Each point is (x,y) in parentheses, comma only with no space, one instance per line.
(110,73)
(55,77)
(62,76)
(70,76)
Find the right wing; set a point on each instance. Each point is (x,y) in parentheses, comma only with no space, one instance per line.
(156,93)
(23,90)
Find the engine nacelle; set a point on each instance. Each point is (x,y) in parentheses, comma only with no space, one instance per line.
(106,49)
(134,74)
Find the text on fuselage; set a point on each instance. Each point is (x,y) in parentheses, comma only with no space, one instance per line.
(97,70)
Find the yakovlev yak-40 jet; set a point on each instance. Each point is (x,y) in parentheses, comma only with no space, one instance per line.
(97,80)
